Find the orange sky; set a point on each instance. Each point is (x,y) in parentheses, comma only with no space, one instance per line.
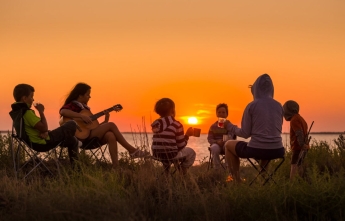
(199,53)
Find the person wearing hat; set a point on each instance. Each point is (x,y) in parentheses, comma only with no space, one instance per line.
(298,134)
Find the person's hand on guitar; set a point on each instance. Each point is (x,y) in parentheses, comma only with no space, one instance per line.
(106,116)
(86,119)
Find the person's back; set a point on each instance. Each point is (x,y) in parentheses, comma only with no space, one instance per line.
(168,137)
(262,121)
(169,141)
(263,118)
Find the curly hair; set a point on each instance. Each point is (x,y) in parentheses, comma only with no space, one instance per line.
(164,106)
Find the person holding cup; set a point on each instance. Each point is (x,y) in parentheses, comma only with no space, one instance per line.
(262,121)
(169,140)
(218,135)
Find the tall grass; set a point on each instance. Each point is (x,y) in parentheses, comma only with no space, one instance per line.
(138,191)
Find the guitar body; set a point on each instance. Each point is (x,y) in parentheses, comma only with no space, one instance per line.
(85,129)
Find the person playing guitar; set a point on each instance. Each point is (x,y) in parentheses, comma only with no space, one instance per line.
(75,107)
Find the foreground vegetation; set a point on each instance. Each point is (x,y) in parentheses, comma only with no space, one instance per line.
(138,191)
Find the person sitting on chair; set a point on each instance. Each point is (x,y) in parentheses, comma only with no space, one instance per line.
(36,128)
(262,121)
(216,135)
(169,141)
(107,132)
(298,134)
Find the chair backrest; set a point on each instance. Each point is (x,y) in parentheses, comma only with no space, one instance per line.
(18,123)
(165,154)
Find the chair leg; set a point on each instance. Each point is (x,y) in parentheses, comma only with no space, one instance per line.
(210,162)
(262,169)
(271,175)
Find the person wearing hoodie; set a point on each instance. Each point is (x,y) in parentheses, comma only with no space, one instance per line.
(298,134)
(262,121)
(169,140)
(36,128)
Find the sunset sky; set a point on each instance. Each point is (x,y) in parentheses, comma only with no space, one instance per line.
(198,53)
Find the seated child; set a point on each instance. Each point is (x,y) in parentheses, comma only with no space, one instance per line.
(215,136)
(36,128)
(169,140)
(298,134)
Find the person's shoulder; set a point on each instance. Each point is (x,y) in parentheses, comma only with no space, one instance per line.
(29,113)
(214,125)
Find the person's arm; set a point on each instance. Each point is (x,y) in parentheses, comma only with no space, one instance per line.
(246,125)
(42,125)
(72,114)
(181,138)
(106,117)
(296,126)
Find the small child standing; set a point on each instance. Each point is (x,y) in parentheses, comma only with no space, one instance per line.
(169,140)
(216,134)
(298,134)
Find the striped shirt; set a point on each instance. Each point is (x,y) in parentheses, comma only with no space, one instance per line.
(168,137)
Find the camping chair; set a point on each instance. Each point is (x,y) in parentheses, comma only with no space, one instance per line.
(22,150)
(210,159)
(262,169)
(167,161)
(222,153)
(94,146)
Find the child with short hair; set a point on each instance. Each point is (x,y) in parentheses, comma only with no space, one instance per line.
(298,134)
(169,140)
(36,128)
(215,136)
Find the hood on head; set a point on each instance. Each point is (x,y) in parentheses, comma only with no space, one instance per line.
(290,108)
(263,87)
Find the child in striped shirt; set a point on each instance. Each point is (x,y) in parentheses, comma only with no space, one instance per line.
(169,140)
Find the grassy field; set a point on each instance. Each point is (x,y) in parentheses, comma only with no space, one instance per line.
(138,191)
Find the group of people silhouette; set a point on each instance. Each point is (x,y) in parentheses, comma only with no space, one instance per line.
(262,121)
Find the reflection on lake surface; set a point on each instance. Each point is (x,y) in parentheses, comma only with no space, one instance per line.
(200,144)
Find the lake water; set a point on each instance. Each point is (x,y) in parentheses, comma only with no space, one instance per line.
(200,144)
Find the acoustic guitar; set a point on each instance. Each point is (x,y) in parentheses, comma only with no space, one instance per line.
(84,129)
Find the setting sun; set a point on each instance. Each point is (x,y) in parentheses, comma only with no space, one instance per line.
(192,120)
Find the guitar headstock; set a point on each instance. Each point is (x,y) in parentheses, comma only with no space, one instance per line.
(117,107)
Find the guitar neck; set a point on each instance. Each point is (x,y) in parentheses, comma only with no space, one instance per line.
(100,114)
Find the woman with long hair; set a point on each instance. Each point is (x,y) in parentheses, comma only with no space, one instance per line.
(106,132)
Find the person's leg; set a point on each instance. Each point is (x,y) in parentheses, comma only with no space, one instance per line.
(102,129)
(294,166)
(110,139)
(73,148)
(232,159)
(65,133)
(215,152)
(293,171)
(189,157)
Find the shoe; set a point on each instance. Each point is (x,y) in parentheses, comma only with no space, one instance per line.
(229,179)
(140,154)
